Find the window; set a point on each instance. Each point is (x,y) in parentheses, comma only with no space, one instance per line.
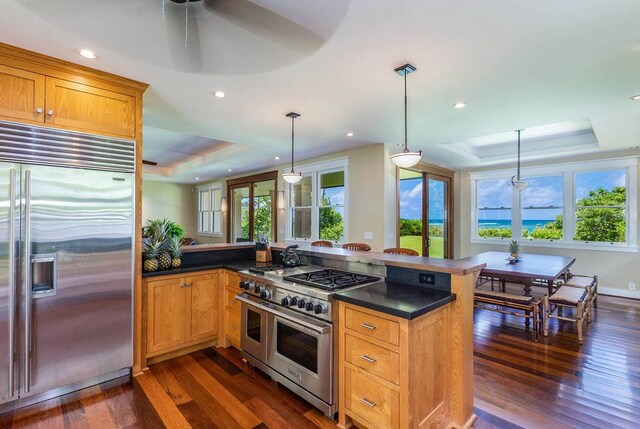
(317,203)
(209,209)
(252,206)
(579,205)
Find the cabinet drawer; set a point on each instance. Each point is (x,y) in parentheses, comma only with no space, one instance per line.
(372,402)
(230,300)
(233,326)
(372,358)
(376,327)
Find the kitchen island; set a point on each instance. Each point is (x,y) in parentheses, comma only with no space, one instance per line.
(426,306)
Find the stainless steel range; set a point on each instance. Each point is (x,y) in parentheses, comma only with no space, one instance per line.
(288,329)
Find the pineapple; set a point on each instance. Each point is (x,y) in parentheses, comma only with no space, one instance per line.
(175,249)
(514,248)
(164,258)
(156,230)
(150,254)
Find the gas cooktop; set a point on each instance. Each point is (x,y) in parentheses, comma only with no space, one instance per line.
(331,279)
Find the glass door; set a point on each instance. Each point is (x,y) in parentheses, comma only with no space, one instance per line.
(264,195)
(240,213)
(424,208)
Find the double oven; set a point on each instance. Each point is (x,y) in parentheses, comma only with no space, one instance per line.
(293,348)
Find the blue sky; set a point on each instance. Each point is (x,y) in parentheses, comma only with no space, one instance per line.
(543,191)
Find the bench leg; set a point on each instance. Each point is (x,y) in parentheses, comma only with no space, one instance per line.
(595,292)
(590,305)
(535,321)
(579,320)
(546,315)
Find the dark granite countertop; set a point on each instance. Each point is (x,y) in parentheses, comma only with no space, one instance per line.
(397,299)
(229,265)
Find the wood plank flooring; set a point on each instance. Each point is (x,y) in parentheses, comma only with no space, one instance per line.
(518,384)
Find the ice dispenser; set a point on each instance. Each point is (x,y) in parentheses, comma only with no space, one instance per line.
(44,269)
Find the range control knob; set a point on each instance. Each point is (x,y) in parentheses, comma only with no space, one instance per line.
(286,301)
(302,303)
(320,308)
(243,285)
(265,294)
(258,288)
(309,306)
(294,301)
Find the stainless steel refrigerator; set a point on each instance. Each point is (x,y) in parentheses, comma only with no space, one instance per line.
(66,276)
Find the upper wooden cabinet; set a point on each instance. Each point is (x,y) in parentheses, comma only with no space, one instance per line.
(30,97)
(42,90)
(21,95)
(86,108)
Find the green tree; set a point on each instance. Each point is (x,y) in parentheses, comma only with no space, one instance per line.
(597,222)
(551,230)
(331,221)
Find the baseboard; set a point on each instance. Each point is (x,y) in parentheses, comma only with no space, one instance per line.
(622,293)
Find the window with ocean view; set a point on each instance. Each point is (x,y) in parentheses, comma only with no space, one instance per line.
(576,205)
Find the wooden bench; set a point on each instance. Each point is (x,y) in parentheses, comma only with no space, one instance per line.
(573,297)
(500,302)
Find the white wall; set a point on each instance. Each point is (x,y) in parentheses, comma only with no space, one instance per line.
(171,201)
(615,269)
(371,196)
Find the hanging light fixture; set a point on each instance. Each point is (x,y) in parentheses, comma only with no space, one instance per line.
(406,158)
(516,181)
(292,176)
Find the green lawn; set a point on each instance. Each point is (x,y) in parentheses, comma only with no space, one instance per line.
(415,242)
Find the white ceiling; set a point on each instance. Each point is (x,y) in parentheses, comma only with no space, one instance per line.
(518,64)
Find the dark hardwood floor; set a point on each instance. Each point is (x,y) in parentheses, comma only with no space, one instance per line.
(518,384)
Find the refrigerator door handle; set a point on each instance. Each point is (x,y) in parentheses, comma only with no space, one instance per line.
(27,283)
(12,277)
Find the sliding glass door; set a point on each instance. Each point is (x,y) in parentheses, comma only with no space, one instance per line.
(252,207)
(425,209)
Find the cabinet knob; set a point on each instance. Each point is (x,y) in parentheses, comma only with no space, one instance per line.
(50,112)
(39,110)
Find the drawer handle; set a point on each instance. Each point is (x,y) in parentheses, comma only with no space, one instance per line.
(368,359)
(367,402)
(367,326)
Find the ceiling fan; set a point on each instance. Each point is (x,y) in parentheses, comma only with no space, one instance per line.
(197,31)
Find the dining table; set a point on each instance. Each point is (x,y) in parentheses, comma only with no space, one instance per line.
(528,267)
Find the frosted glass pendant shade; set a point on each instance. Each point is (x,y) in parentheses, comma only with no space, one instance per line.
(292,177)
(406,159)
(519,184)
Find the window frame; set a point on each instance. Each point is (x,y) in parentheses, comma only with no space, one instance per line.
(315,171)
(569,172)
(211,188)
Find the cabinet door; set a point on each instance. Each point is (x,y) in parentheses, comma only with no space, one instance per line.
(21,95)
(166,318)
(202,306)
(85,108)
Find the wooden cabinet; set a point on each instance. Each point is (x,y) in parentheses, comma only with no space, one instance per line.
(21,95)
(393,372)
(180,311)
(232,308)
(36,98)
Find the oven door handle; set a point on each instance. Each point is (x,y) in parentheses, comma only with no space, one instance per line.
(324,329)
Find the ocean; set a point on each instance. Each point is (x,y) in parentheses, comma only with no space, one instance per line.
(530,225)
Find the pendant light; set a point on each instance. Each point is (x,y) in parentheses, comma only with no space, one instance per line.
(406,159)
(516,181)
(292,176)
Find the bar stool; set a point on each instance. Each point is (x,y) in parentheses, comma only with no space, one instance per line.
(401,251)
(356,246)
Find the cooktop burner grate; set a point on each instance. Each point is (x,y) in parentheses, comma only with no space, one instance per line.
(262,270)
(331,279)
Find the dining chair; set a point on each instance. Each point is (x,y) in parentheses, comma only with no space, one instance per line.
(401,251)
(322,243)
(356,246)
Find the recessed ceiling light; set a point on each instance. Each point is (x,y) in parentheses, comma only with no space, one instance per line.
(197,178)
(349,134)
(635,98)
(277,158)
(87,53)
(219,94)
(229,170)
(459,105)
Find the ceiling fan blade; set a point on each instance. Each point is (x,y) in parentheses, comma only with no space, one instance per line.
(153,163)
(266,24)
(182,35)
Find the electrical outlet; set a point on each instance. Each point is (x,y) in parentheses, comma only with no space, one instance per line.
(632,286)
(427,278)
(368,235)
